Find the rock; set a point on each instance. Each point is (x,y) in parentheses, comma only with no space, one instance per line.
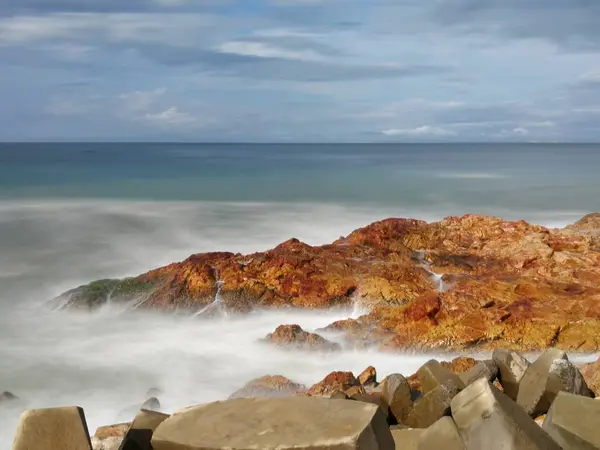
(511,368)
(153,392)
(432,374)
(551,373)
(484,369)
(152,404)
(139,434)
(294,336)
(245,423)
(8,397)
(368,376)
(109,443)
(434,405)
(269,386)
(459,365)
(540,420)
(591,374)
(396,392)
(488,419)
(407,439)
(375,400)
(355,390)
(117,430)
(339,395)
(52,429)
(335,381)
(443,434)
(572,422)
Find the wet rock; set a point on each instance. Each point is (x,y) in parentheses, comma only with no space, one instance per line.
(269,386)
(294,336)
(550,374)
(396,392)
(318,424)
(152,404)
(406,439)
(432,374)
(484,369)
(443,434)
(52,429)
(572,422)
(335,381)
(511,368)
(139,434)
(434,405)
(488,419)
(368,376)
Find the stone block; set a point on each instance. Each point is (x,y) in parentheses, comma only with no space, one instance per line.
(511,368)
(441,435)
(434,405)
(432,374)
(396,392)
(484,369)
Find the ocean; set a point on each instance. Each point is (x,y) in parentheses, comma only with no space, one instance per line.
(72,213)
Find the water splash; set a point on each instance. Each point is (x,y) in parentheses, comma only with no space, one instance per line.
(437,278)
(216,307)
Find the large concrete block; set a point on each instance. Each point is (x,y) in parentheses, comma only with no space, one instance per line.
(441,435)
(432,406)
(488,419)
(550,374)
(395,390)
(511,368)
(485,369)
(432,374)
(283,423)
(53,429)
(142,428)
(407,439)
(574,422)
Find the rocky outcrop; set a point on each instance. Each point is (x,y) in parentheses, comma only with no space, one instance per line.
(269,386)
(293,336)
(503,283)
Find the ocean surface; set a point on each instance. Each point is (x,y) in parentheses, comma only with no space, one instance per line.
(71,213)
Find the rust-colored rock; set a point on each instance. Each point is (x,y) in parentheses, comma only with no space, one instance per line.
(459,365)
(368,376)
(591,374)
(335,381)
(108,431)
(295,336)
(509,284)
(269,386)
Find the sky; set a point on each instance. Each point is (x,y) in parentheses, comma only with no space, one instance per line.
(300,70)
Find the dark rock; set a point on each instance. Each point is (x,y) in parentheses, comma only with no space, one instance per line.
(152,404)
(293,336)
(8,397)
(139,434)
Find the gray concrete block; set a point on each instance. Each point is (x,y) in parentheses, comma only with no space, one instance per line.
(434,405)
(441,435)
(407,439)
(485,369)
(432,374)
(511,368)
(395,390)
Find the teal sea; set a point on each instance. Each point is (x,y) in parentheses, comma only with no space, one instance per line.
(71,213)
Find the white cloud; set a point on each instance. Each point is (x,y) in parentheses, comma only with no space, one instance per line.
(137,101)
(591,77)
(425,130)
(172,116)
(264,50)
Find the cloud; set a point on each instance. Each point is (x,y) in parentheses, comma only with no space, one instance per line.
(263,50)
(172,117)
(422,131)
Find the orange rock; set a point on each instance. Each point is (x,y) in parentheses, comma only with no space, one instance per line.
(335,381)
(591,374)
(117,430)
(460,364)
(295,336)
(368,376)
(269,386)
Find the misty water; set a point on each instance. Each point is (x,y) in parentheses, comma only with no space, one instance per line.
(67,218)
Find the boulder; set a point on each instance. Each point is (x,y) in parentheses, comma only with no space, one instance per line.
(269,386)
(295,337)
(142,428)
(396,392)
(109,443)
(52,429)
(407,439)
(335,381)
(282,423)
(573,421)
(488,419)
(511,368)
(152,404)
(460,364)
(441,435)
(432,374)
(368,376)
(117,430)
(591,374)
(434,405)
(484,369)
(550,374)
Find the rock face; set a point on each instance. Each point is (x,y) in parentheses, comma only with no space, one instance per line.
(52,429)
(335,381)
(591,374)
(282,423)
(508,284)
(294,336)
(573,422)
(269,386)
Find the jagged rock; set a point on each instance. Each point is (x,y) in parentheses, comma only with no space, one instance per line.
(434,405)
(572,422)
(488,419)
(407,439)
(152,404)
(245,423)
(551,373)
(52,429)
(368,376)
(443,434)
(109,443)
(294,336)
(484,369)
(139,434)
(511,368)
(432,374)
(591,374)
(8,397)
(269,386)
(459,365)
(117,430)
(335,381)
(396,392)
